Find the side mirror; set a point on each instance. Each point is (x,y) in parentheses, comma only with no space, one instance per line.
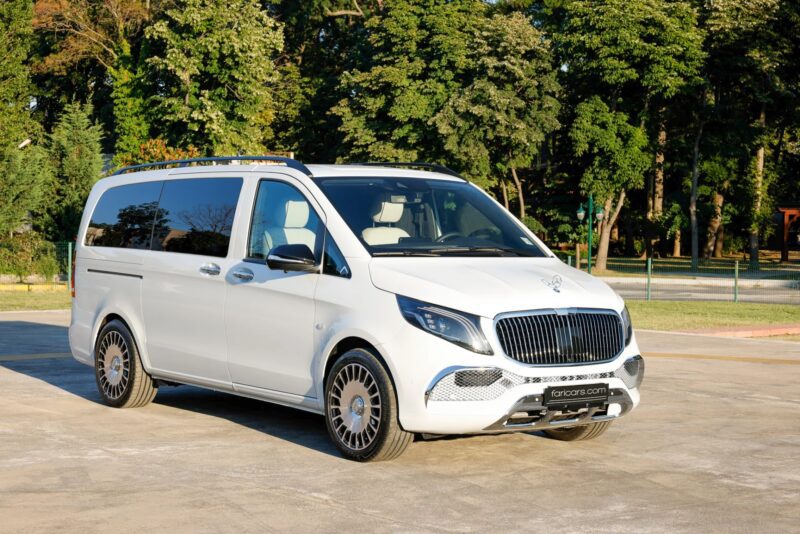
(292,258)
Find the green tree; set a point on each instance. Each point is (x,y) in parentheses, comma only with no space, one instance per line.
(497,123)
(24,168)
(77,162)
(416,55)
(215,66)
(15,89)
(107,32)
(637,55)
(755,57)
(324,38)
(615,159)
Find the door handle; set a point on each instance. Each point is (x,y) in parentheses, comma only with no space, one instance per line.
(211,269)
(243,275)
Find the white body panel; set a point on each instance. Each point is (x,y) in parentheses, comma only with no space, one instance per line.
(270,330)
(183,311)
(271,337)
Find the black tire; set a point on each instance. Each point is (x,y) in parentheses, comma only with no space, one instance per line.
(578,433)
(119,374)
(379,436)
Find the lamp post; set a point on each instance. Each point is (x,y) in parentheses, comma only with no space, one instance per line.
(590,223)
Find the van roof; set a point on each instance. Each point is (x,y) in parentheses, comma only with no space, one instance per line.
(255,163)
(363,170)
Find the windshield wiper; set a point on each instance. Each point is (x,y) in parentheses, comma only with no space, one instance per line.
(424,253)
(441,251)
(495,250)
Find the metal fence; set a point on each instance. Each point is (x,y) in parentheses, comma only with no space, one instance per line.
(713,279)
(63,252)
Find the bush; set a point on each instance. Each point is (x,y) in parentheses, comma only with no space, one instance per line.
(28,254)
(155,150)
(735,244)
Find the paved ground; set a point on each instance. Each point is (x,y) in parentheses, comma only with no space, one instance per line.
(718,289)
(715,446)
(761,296)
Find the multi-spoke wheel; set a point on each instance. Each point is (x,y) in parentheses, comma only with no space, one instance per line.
(113,365)
(121,379)
(361,409)
(355,406)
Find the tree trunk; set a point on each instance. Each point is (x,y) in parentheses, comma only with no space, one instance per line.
(658,185)
(719,241)
(676,245)
(693,198)
(630,249)
(658,182)
(757,186)
(612,212)
(714,223)
(504,189)
(520,194)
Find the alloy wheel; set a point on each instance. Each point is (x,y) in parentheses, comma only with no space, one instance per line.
(113,365)
(354,406)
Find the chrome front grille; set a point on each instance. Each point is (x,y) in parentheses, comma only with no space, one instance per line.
(561,337)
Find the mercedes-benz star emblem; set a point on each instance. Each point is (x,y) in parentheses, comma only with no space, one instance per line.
(554,284)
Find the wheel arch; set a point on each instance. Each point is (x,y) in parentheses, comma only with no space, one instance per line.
(346,344)
(110,314)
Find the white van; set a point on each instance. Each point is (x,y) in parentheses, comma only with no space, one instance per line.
(393,299)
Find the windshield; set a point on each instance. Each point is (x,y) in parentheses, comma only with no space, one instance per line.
(415,217)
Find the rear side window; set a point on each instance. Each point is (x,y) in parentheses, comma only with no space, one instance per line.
(195,216)
(124,216)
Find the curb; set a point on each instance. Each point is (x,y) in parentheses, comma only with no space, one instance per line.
(752,331)
(700,282)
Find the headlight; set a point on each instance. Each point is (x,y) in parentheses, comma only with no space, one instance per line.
(627,325)
(457,327)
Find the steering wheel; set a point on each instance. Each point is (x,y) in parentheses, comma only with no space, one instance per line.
(446,237)
(485,233)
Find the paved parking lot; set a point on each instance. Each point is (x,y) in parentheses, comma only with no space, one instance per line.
(715,446)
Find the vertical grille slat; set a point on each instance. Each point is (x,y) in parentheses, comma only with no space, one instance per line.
(550,338)
(530,346)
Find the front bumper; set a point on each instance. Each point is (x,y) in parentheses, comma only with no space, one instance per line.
(439,387)
(489,400)
(530,413)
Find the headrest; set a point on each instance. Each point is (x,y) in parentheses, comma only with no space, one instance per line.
(385,211)
(296,214)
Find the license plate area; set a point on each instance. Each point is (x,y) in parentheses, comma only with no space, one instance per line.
(577,396)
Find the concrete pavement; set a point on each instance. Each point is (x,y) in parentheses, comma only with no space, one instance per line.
(715,446)
(34,332)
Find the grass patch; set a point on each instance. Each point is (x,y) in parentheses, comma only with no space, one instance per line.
(35,300)
(683,316)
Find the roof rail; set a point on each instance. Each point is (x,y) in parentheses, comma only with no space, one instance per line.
(435,167)
(289,162)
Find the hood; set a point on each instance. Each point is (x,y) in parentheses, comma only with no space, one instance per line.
(489,286)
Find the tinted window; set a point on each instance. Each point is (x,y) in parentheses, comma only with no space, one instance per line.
(282,216)
(334,263)
(196,216)
(124,216)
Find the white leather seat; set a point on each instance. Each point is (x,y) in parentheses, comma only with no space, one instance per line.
(293,231)
(385,212)
(471,220)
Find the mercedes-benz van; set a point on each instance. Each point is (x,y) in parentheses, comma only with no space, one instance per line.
(394,299)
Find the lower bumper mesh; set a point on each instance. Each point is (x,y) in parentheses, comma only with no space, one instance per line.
(490,383)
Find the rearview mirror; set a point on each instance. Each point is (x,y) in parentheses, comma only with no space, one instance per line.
(292,258)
